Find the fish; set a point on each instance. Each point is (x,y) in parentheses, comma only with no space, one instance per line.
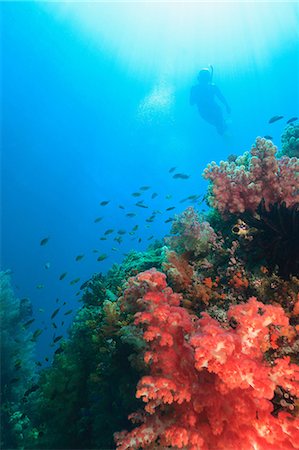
(130,214)
(57,300)
(54,325)
(35,335)
(18,364)
(172,169)
(47,265)
(46,359)
(141,205)
(62,323)
(32,389)
(182,176)
(55,313)
(136,194)
(95,251)
(40,286)
(292,119)
(275,118)
(109,231)
(118,239)
(168,196)
(154,195)
(168,220)
(84,285)
(57,338)
(121,206)
(98,219)
(41,310)
(58,350)
(135,228)
(121,232)
(144,188)
(114,249)
(104,202)
(102,257)
(103,238)
(268,137)
(79,257)
(170,208)
(27,324)
(69,311)
(151,237)
(62,276)
(74,281)
(44,241)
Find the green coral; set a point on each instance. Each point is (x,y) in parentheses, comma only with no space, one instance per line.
(89,390)
(17,364)
(290,141)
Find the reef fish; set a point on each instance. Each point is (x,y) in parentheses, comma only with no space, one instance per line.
(79,257)
(104,202)
(44,241)
(292,119)
(182,176)
(102,257)
(62,276)
(268,137)
(275,118)
(37,333)
(55,313)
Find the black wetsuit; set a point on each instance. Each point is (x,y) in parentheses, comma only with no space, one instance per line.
(203,95)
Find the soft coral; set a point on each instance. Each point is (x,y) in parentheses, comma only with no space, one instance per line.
(210,386)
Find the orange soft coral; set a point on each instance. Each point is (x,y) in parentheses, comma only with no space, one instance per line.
(210,386)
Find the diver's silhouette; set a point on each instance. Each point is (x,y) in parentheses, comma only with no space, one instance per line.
(203,96)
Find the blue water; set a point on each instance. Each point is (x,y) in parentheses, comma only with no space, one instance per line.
(74,134)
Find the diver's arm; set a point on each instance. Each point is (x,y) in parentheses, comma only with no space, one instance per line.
(222,99)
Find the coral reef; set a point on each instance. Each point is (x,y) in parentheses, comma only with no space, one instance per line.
(236,188)
(17,364)
(205,324)
(191,234)
(290,141)
(219,393)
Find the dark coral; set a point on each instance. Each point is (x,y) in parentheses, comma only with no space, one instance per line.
(276,239)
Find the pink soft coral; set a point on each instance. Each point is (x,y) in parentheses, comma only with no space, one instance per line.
(210,385)
(236,188)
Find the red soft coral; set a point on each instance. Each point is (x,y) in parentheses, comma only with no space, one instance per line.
(210,385)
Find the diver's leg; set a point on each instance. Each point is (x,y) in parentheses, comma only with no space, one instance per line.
(219,121)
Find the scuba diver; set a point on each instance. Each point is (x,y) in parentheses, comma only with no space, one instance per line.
(203,96)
